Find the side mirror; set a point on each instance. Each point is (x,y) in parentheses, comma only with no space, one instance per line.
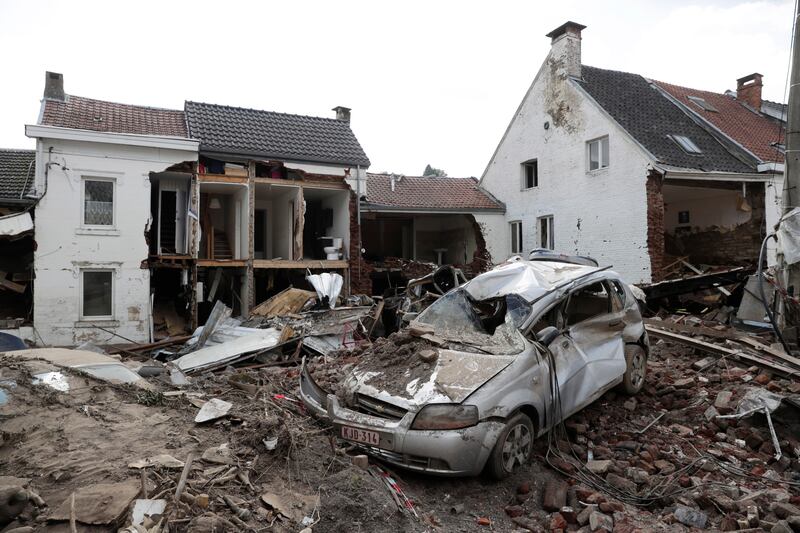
(548,335)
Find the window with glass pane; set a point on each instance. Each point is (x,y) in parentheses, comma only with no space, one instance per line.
(516,237)
(98,203)
(598,153)
(546,236)
(97,291)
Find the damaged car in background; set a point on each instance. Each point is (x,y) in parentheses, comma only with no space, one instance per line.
(488,367)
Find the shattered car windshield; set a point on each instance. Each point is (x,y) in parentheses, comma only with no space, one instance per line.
(491,326)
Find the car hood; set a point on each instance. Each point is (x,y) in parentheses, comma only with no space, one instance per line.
(450,379)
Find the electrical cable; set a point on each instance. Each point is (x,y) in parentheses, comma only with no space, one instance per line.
(760,277)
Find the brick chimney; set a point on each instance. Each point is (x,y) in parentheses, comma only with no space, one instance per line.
(54,86)
(342,113)
(748,90)
(565,47)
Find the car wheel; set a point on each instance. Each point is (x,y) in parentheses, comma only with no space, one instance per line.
(636,359)
(513,447)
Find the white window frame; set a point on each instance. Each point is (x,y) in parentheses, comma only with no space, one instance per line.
(524,174)
(96,318)
(551,238)
(83,223)
(515,227)
(604,163)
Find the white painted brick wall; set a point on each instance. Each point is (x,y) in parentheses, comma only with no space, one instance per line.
(63,250)
(601,213)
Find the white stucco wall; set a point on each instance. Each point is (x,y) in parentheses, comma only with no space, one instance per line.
(602,213)
(773,207)
(65,247)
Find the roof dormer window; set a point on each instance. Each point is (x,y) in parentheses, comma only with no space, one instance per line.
(703,104)
(686,144)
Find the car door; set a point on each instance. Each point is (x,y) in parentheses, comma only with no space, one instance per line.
(594,320)
(570,366)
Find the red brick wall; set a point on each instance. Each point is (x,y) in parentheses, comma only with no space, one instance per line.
(655,223)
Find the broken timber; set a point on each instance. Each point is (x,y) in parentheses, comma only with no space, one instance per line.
(721,350)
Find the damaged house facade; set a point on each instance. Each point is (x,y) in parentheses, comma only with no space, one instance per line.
(17,169)
(97,165)
(635,172)
(145,217)
(409,223)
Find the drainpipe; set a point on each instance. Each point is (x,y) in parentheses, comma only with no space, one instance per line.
(358,219)
(791,178)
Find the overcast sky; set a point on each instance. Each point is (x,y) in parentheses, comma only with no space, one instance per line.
(428,81)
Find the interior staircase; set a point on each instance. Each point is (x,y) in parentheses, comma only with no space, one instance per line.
(222,249)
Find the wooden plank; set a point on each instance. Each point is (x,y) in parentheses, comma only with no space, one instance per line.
(10,285)
(780,354)
(288,301)
(221,262)
(696,270)
(221,178)
(325,264)
(305,183)
(720,350)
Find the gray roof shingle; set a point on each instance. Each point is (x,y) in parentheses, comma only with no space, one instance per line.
(650,117)
(268,134)
(17,172)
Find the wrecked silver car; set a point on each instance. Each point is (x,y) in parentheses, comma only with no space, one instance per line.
(488,367)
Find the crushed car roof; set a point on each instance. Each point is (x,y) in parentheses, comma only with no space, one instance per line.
(528,279)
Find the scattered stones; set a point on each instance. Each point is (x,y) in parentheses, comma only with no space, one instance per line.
(690,517)
(621,483)
(583,516)
(722,403)
(684,383)
(785,510)
(514,510)
(557,522)
(664,467)
(599,522)
(630,405)
(599,467)
(361,461)
(569,514)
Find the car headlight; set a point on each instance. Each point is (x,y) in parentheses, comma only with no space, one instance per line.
(446,416)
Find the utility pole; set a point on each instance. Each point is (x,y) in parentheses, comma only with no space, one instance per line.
(791,177)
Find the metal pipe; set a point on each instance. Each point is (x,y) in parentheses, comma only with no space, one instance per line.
(760,277)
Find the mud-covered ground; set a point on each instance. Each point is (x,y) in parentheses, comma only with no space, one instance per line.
(58,443)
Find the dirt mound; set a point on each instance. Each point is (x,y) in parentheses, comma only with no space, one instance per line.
(355,500)
(395,361)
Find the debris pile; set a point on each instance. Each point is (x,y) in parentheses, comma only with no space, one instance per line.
(207,433)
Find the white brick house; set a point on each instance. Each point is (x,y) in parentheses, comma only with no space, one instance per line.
(592,163)
(94,161)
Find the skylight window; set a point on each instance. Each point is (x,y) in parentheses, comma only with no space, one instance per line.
(686,143)
(703,104)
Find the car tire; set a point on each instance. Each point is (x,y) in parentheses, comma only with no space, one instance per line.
(513,448)
(636,371)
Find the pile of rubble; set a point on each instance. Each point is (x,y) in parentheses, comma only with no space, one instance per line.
(207,433)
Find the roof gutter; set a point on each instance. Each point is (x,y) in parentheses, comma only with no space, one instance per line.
(688,174)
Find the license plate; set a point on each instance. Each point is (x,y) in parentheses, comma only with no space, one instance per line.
(361,435)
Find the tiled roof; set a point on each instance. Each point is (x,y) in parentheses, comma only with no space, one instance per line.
(650,117)
(415,192)
(17,173)
(81,113)
(752,130)
(268,134)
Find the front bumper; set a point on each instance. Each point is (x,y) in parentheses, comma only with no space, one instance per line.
(460,452)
